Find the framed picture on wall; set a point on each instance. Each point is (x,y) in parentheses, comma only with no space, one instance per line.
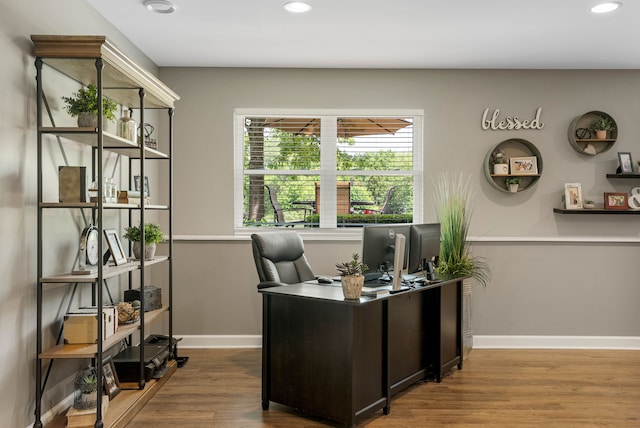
(626,164)
(573,196)
(527,165)
(615,201)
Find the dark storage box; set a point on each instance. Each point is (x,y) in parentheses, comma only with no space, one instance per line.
(127,362)
(152,297)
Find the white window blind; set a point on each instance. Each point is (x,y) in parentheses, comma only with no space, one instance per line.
(344,169)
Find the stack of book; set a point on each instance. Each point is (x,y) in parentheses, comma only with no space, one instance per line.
(131,197)
(86,418)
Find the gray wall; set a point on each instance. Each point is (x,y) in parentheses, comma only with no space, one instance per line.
(553,275)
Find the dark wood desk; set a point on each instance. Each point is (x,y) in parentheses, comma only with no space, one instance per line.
(344,360)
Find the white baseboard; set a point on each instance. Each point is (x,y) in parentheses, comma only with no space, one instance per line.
(231,341)
(557,342)
(507,342)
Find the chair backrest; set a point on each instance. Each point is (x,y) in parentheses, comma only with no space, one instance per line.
(279,257)
(277,209)
(386,206)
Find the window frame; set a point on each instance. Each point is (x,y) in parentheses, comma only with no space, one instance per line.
(328,147)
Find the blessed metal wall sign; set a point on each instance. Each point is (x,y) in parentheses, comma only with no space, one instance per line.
(494,123)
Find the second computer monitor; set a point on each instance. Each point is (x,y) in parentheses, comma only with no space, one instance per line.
(378,247)
(424,247)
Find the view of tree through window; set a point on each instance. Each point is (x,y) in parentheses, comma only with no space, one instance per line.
(327,171)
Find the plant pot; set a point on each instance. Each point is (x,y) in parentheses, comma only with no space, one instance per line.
(149,250)
(601,134)
(352,286)
(500,169)
(90,120)
(513,188)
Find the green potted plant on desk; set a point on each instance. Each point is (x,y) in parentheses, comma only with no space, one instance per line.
(352,277)
(84,105)
(152,235)
(453,198)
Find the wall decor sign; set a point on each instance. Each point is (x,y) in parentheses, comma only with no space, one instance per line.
(492,121)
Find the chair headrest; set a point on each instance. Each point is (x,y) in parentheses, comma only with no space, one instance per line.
(278,246)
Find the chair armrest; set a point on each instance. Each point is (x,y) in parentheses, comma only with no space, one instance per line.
(268,284)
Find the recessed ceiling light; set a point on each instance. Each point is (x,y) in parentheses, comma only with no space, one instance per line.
(297,7)
(606,7)
(160,6)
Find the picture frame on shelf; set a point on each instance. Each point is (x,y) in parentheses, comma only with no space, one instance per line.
(137,187)
(525,165)
(573,196)
(115,246)
(625,163)
(111,383)
(615,201)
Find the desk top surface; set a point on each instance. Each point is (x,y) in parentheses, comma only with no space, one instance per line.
(333,292)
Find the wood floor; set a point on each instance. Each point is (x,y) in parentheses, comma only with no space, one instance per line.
(496,388)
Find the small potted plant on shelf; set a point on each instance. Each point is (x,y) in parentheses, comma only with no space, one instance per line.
(152,235)
(588,204)
(601,126)
(352,278)
(86,387)
(499,161)
(513,183)
(84,105)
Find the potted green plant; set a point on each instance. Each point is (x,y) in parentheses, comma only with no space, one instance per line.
(152,235)
(453,196)
(602,125)
(512,183)
(352,277)
(84,105)
(86,387)
(499,162)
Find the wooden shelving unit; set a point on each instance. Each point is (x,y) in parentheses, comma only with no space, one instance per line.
(95,60)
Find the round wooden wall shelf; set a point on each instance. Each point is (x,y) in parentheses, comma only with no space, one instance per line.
(517,152)
(584,140)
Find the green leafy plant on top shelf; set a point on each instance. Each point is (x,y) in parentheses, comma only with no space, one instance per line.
(86,101)
(453,198)
(604,123)
(152,233)
(352,267)
(512,180)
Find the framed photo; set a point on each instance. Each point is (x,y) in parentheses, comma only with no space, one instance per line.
(136,184)
(615,201)
(110,377)
(573,196)
(527,165)
(115,246)
(626,164)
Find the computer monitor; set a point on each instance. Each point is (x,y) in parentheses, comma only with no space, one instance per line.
(378,248)
(424,247)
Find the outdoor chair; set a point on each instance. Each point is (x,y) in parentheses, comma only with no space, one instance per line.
(278,211)
(280,259)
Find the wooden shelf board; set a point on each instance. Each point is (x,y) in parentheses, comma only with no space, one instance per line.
(108,272)
(89,350)
(594,211)
(110,142)
(595,140)
(105,205)
(623,176)
(75,56)
(127,403)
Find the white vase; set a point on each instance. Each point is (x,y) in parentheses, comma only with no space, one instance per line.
(352,286)
(513,188)
(149,250)
(127,127)
(500,169)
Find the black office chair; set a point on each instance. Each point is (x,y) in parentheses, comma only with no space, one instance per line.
(280,259)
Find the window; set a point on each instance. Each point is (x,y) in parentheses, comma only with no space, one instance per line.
(327,169)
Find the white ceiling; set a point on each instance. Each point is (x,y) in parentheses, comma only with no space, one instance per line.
(538,34)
